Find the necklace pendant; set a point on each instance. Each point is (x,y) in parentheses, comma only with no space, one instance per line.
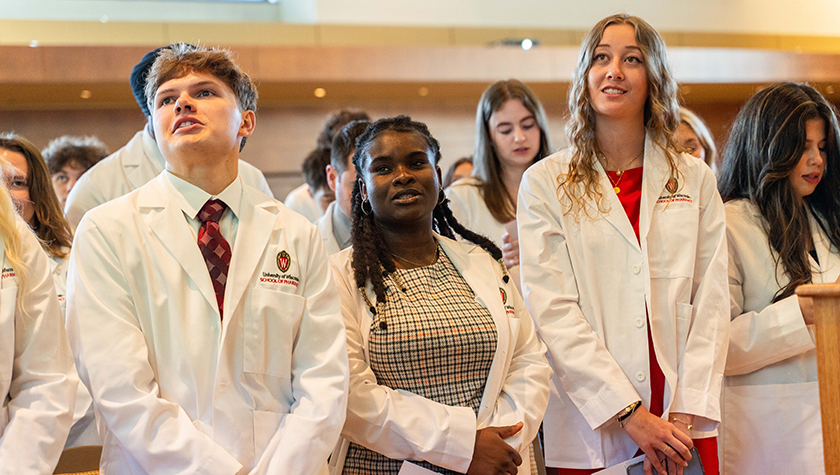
(619,172)
(617,189)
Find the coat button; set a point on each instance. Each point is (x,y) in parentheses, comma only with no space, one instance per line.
(636,269)
(640,322)
(640,376)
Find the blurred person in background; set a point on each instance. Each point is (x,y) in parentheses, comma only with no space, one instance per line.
(694,137)
(511,134)
(335,225)
(462,168)
(306,199)
(28,181)
(137,162)
(68,158)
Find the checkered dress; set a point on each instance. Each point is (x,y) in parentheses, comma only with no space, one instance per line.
(439,343)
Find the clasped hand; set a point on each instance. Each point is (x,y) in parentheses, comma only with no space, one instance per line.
(664,443)
(492,455)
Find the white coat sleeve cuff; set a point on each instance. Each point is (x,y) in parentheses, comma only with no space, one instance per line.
(461,441)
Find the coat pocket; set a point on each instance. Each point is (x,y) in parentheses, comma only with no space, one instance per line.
(672,242)
(271,328)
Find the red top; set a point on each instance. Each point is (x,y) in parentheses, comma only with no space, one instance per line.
(630,195)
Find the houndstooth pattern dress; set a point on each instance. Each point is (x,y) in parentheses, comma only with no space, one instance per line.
(437,342)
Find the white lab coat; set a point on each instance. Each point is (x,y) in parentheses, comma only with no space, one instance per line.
(175,386)
(37,378)
(469,209)
(417,428)
(300,201)
(129,168)
(325,228)
(83,430)
(588,283)
(771,407)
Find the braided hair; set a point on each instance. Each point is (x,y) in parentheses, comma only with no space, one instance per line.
(371,255)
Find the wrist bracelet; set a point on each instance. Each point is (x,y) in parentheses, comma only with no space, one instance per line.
(686,424)
(625,414)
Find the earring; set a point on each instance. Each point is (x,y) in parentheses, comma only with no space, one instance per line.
(441,196)
(369,208)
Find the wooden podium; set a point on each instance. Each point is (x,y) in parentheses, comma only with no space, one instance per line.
(827,322)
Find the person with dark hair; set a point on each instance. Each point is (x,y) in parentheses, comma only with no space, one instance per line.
(780,181)
(623,247)
(335,225)
(303,198)
(443,353)
(462,168)
(511,134)
(38,382)
(68,158)
(140,160)
(28,182)
(314,172)
(202,313)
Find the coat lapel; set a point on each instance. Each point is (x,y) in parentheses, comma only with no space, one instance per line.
(616,215)
(172,230)
(256,223)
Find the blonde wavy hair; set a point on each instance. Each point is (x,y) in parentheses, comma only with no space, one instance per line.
(11,239)
(662,112)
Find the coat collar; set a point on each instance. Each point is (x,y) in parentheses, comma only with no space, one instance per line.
(165,218)
(654,177)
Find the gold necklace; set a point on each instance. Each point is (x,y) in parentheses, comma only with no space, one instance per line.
(434,259)
(619,172)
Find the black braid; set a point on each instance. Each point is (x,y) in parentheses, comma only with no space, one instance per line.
(452,224)
(371,255)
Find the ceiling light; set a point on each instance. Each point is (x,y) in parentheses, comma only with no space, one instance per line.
(320,92)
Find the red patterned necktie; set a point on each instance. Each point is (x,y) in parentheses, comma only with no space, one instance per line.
(214,247)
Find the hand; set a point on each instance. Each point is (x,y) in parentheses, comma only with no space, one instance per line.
(510,250)
(660,440)
(492,455)
(806,305)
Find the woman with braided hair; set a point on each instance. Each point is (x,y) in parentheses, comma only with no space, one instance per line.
(445,368)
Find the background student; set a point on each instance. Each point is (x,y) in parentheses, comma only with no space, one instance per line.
(622,240)
(335,224)
(511,134)
(445,367)
(68,158)
(694,137)
(781,184)
(37,377)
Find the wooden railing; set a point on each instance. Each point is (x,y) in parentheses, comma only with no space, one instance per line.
(827,322)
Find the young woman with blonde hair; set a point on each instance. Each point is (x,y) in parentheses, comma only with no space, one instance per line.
(695,138)
(28,181)
(37,377)
(623,252)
